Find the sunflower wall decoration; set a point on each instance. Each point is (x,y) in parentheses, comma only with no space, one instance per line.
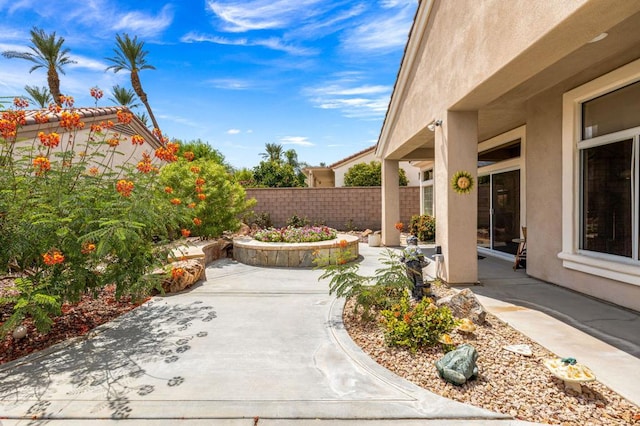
(462,182)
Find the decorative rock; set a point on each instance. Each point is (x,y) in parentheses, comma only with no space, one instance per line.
(20,332)
(366,233)
(519,349)
(194,271)
(466,326)
(244,230)
(465,304)
(459,365)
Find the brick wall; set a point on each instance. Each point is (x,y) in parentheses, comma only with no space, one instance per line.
(340,208)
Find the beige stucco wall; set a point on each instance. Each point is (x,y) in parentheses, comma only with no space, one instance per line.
(473,52)
(544,201)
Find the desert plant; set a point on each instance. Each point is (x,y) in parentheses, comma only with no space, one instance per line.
(370,294)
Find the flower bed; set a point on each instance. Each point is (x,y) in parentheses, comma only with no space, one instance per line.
(291,234)
(294,255)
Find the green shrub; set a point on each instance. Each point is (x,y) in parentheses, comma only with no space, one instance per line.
(297,222)
(417,326)
(370,294)
(423,227)
(215,200)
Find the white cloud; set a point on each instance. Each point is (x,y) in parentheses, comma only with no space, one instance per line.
(382,33)
(230,83)
(143,24)
(233,131)
(352,98)
(273,43)
(296,140)
(242,16)
(88,63)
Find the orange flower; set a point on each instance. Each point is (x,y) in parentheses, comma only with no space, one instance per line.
(55,108)
(200,182)
(191,205)
(175,201)
(343,243)
(342,261)
(189,156)
(8,129)
(400,226)
(197,221)
(50,140)
(70,120)
(195,169)
(41,164)
(177,272)
(124,187)
(145,166)
(88,248)
(20,103)
(113,142)
(53,257)
(93,171)
(137,140)
(96,128)
(41,118)
(67,101)
(185,232)
(199,189)
(202,197)
(96,93)
(124,117)
(168,190)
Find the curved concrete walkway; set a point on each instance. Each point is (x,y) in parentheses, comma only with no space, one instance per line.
(249,346)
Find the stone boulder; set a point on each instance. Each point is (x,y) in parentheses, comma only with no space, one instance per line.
(465,304)
(459,365)
(193,272)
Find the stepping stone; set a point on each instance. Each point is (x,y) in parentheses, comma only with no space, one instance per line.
(519,349)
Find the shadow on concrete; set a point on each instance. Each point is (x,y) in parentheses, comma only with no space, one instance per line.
(107,368)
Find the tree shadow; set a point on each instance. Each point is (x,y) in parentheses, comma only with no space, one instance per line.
(108,368)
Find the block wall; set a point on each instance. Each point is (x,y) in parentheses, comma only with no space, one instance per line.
(340,208)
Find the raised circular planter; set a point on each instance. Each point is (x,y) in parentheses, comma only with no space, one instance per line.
(292,255)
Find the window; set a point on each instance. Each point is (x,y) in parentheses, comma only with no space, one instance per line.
(601,176)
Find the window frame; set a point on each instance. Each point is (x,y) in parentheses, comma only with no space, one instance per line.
(573,257)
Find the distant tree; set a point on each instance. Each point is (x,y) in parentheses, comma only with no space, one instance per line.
(244,177)
(143,117)
(369,174)
(292,159)
(46,52)
(39,95)
(272,152)
(130,56)
(204,151)
(273,174)
(125,97)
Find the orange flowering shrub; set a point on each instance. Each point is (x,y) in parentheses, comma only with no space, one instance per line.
(52,258)
(197,221)
(185,232)
(175,201)
(124,187)
(83,216)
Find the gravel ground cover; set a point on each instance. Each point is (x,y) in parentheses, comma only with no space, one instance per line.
(508,383)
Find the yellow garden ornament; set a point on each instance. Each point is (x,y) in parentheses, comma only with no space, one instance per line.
(462,182)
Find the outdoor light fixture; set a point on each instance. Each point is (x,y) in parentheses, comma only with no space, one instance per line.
(435,123)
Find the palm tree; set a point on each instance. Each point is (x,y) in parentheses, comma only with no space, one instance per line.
(143,117)
(39,95)
(125,97)
(46,52)
(272,152)
(131,57)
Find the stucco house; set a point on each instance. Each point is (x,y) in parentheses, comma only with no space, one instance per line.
(131,153)
(333,175)
(540,103)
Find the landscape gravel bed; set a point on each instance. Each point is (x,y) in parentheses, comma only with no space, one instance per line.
(509,383)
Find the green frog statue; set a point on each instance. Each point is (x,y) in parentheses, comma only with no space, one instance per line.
(459,365)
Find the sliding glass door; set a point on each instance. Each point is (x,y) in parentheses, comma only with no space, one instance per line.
(499,211)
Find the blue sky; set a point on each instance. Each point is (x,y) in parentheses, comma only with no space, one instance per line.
(312,75)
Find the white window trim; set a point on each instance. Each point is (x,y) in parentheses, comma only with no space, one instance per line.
(573,258)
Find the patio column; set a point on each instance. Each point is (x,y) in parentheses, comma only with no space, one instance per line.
(390,203)
(456,149)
